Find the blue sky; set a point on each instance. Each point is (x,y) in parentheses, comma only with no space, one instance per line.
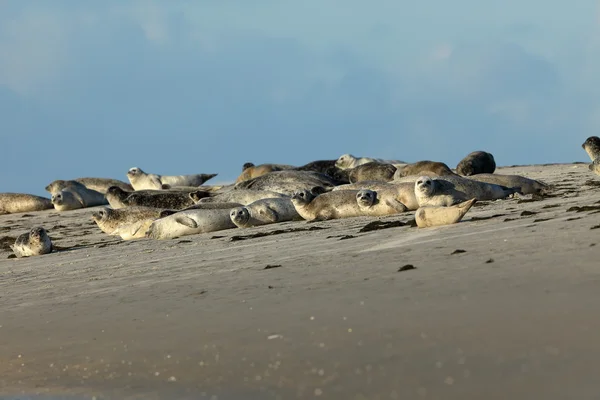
(95,88)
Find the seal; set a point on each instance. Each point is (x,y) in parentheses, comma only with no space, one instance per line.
(240,196)
(140,180)
(437,216)
(128,223)
(404,192)
(372,171)
(592,147)
(11,203)
(477,162)
(33,243)
(437,193)
(346,161)
(330,205)
(525,185)
(425,167)
(202,206)
(263,212)
(76,196)
(100,185)
(375,204)
(288,182)
(327,167)
(163,199)
(594,166)
(191,222)
(254,171)
(247,165)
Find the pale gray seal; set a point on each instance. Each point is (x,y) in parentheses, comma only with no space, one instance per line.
(11,203)
(288,182)
(254,171)
(330,205)
(437,216)
(425,167)
(164,199)
(202,206)
(592,147)
(100,185)
(477,162)
(377,204)
(190,222)
(438,193)
(346,161)
(74,197)
(140,180)
(265,211)
(241,196)
(128,222)
(372,171)
(404,192)
(525,185)
(33,243)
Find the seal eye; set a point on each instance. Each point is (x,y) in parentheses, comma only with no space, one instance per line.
(419,182)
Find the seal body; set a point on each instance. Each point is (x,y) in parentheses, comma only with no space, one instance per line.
(125,222)
(346,161)
(372,171)
(438,216)
(327,167)
(424,168)
(330,205)
(201,206)
(75,196)
(241,196)
(288,182)
(100,185)
(33,243)
(141,180)
(263,212)
(254,171)
(430,192)
(470,188)
(374,204)
(11,203)
(525,185)
(190,222)
(163,199)
(477,162)
(592,147)
(404,192)
(595,166)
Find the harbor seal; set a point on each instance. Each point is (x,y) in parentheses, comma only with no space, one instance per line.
(241,196)
(404,192)
(128,223)
(377,204)
(100,185)
(595,166)
(430,192)
(254,171)
(288,182)
(437,216)
(347,161)
(330,205)
(592,147)
(526,185)
(190,222)
(371,171)
(11,203)
(171,199)
(74,197)
(425,167)
(477,162)
(33,243)
(141,180)
(202,206)
(247,165)
(263,212)
(327,167)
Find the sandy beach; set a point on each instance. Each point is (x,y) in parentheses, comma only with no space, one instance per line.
(502,305)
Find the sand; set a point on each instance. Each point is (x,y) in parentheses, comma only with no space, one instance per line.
(502,305)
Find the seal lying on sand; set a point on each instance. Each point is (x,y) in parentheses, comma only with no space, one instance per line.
(190,222)
(140,180)
(75,196)
(202,206)
(250,170)
(263,212)
(346,161)
(241,196)
(33,243)
(477,162)
(437,193)
(592,147)
(378,204)
(288,182)
(404,192)
(526,185)
(437,216)
(371,171)
(172,199)
(128,223)
(100,185)
(330,205)
(327,167)
(424,168)
(11,203)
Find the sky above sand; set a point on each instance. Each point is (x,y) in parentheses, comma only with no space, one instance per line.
(94,88)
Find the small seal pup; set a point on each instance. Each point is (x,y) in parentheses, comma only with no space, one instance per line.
(592,147)
(100,185)
(526,185)
(190,222)
(140,180)
(125,222)
(241,196)
(477,162)
(263,212)
(288,182)
(74,197)
(171,199)
(330,205)
(346,161)
(374,204)
(437,216)
(33,243)
(371,171)
(425,167)
(11,203)
(254,171)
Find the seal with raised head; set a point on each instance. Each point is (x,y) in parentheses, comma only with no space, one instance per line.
(346,161)
(477,162)
(254,171)
(76,196)
(372,171)
(288,182)
(525,185)
(592,147)
(263,212)
(128,222)
(437,193)
(11,203)
(438,216)
(378,204)
(425,167)
(171,199)
(330,205)
(190,222)
(33,243)
(404,192)
(140,180)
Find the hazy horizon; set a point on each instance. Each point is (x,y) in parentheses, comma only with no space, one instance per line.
(93,89)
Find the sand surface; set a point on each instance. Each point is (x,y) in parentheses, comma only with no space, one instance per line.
(513,314)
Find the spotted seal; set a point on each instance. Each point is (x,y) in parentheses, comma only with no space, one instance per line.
(477,162)
(263,212)
(437,216)
(11,203)
(33,243)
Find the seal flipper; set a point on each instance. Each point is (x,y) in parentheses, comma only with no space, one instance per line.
(187,221)
(396,205)
(270,214)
